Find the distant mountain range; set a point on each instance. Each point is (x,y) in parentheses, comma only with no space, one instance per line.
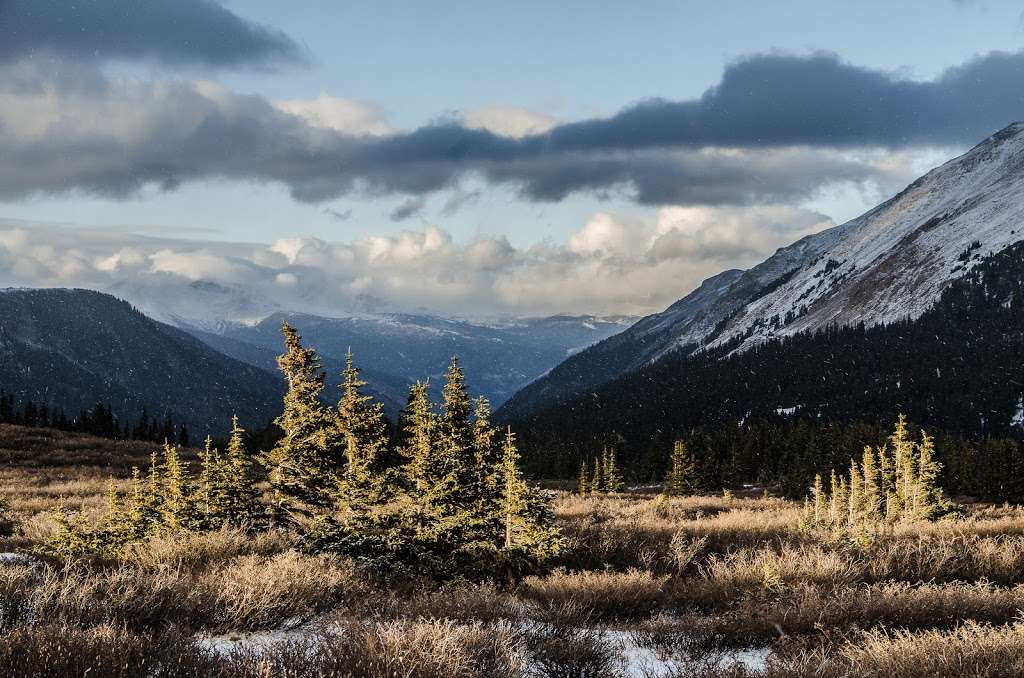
(889,264)
(394,350)
(74,348)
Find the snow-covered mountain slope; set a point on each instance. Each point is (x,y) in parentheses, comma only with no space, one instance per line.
(894,261)
(889,263)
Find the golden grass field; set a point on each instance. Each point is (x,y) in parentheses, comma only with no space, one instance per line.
(648,587)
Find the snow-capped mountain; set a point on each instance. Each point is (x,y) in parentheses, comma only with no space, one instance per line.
(892,262)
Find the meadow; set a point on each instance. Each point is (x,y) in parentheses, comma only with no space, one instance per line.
(645,586)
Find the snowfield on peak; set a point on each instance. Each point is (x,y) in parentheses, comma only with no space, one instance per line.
(894,261)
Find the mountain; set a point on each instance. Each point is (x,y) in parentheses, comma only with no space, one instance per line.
(394,350)
(74,348)
(891,263)
(780,407)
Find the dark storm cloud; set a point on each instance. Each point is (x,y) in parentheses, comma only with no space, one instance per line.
(173,31)
(775,129)
(776,100)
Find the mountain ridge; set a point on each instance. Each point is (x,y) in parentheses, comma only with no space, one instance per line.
(892,261)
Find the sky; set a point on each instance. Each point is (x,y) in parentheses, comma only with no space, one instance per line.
(467,158)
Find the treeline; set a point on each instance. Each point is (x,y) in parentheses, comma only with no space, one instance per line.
(783,411)
(99,420)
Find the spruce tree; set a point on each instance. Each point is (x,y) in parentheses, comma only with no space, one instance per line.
(597,478)
(453,488)
(682,476)
(304,466)
(208,502)
(531,538)
(514,490)
(175,505)
(241,498)
(362,431)
(422,468)
(856,498)
(819,500)
(928,501)
(488,469)
(872,491)
(583,482)
(612,478)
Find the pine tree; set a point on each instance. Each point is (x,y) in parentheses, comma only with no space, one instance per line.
(531,538)
(907,478)
(834,510)
(682,476)
(583,482)
(138,520)
(872,491)
(303,467)
(856,498)
(610,473)
(240,498)
(114,527)
(515,489)
(175,505)
(928,501)
(597,485)
(362,432)
(455,438)
(903,473)
(208,502)
(819,500)
(488,467)
(841,502)
(422,467)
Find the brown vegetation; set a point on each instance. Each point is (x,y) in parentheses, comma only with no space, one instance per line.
(689,578)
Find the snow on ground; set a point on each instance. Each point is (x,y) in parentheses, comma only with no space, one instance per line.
(642,662)
(1018,417)
(17,559)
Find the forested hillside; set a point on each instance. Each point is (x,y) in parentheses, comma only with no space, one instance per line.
(72,349)
(783,407)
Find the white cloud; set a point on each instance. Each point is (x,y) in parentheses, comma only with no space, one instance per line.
(612,264)
(508,121)
(348,116)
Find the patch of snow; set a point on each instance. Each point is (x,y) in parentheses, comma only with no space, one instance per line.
(644,662)
(1018,417)
(11,558)
(787,411)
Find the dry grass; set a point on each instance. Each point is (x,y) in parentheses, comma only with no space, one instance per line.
(692,577)
(971,649)
(245,592)
(605,595)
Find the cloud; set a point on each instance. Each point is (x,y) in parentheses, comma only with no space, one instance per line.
(348,116)
(179,32)
(508,121)
(409,208)
(612,264)
(459,199)
(776,129)
(339,215)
